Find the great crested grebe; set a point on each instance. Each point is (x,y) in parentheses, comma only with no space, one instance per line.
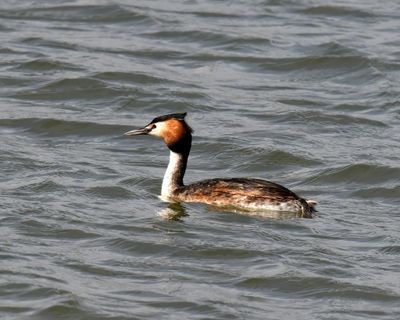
(241,193)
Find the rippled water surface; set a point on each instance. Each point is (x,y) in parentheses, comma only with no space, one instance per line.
(305,93)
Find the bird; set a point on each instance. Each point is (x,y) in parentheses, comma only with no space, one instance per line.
(242,194)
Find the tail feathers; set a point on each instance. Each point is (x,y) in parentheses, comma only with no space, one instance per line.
(312,203)
(308,208)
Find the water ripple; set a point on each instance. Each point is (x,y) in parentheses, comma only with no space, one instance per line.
(359,173)
(304,94)
(339,11)
(57,128)
(79,13)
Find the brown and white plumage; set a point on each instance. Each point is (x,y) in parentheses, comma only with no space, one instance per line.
(240,193)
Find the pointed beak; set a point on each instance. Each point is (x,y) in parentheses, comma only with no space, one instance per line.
(137,132)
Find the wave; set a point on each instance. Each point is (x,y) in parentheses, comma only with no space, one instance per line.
(317,287)
(46,65)
(381,192)
(56,127)
(72,89)
(113,192)
(358,173)
(69,13)
(338,11)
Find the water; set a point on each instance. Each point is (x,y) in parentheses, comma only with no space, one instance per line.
(304,93)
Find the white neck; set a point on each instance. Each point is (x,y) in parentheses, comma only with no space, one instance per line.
(173,177)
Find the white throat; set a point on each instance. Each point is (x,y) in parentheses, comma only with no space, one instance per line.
(173,177)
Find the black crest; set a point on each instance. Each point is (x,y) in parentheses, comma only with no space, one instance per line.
(178,116)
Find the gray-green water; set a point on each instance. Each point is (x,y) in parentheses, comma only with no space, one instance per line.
(305,93)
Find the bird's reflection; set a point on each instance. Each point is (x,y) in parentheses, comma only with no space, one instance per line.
(175,212)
